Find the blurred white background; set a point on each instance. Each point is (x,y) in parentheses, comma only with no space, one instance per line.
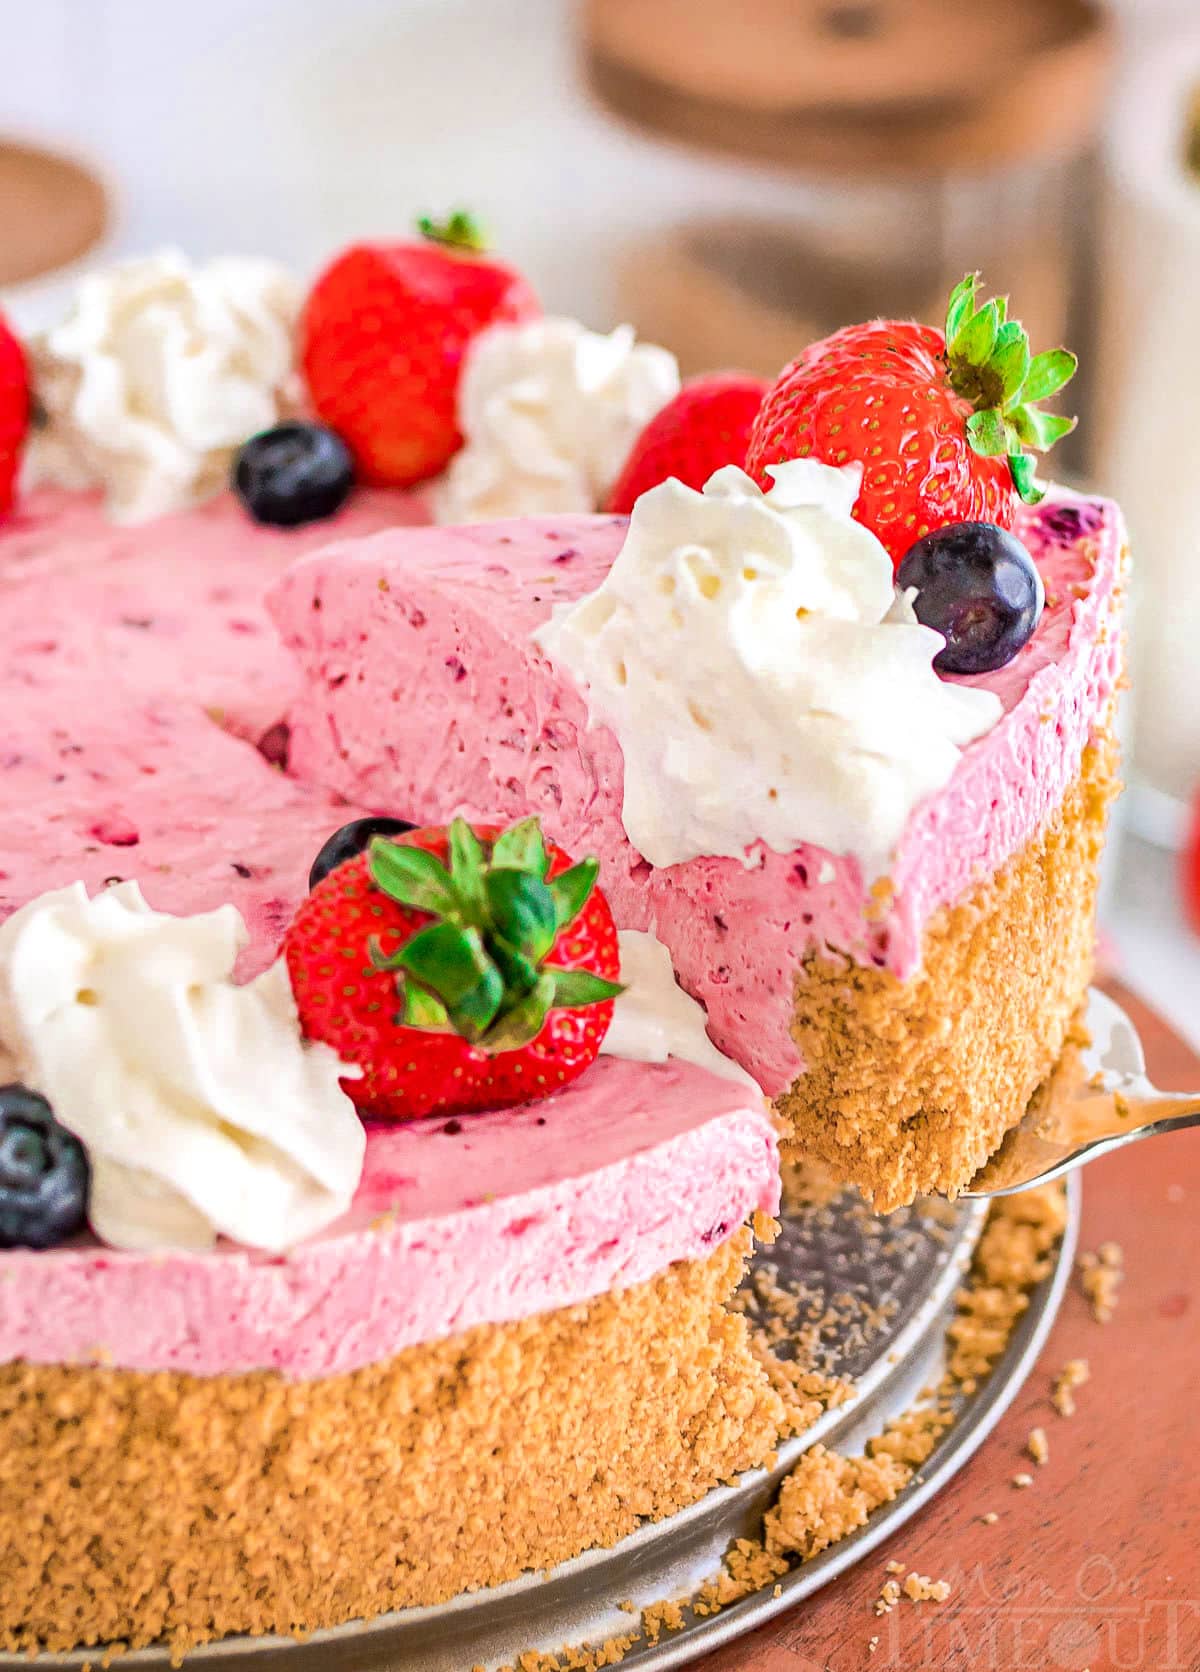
(296,125)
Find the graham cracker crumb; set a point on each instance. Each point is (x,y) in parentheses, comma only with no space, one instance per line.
(748,1567)
(764,1226)
(660,1617)
(872,1644)
(1101,1275)
(1038,1446)
(990,1519)
(888,1597)
(919,1588)
(1072,1375)
(1022,1480)
(812,1328)
(827,1496)
(1014,1253)
(807,1183)
(585,1658)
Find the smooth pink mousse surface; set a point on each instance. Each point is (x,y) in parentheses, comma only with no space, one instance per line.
(126,656)
(424,694)
(98,784)
(495,1217)
(172,607)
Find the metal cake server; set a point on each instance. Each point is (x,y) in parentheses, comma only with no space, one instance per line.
(1098,1100)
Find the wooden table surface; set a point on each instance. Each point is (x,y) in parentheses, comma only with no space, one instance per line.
(1097,1565)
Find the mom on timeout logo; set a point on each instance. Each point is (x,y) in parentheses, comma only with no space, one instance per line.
(993,1621)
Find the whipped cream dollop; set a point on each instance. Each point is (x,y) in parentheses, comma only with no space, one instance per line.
(202,1110)
(158,373)
(763,677)
(549,411)
(654,1018)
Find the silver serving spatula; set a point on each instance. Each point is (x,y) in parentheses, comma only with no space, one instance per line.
(1098,1101)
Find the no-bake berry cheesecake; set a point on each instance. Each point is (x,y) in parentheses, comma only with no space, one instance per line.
(366,1173)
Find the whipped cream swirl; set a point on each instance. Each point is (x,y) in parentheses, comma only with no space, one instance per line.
(158,373)
(654,1018)
(763,677)
(202,1110)
(549,411)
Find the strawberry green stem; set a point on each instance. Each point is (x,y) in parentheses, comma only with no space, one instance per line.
(991,366)
(459,231)
(479,967)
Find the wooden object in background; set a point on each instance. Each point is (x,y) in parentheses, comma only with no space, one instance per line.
(1097,1564)
(738,291)
(872,86)
(53,211)
(923,139)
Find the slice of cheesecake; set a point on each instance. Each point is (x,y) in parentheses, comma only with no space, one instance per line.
(901,1023)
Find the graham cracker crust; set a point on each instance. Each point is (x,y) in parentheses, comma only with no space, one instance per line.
(139,1507)
(910,1085)
(828,1495)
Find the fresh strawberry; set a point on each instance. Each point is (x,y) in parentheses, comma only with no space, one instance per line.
(459,969)
(14,412)
(706,426)
(382,341)
(938,421)
(1190,875)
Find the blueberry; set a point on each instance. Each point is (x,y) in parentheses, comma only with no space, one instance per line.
(1067,523)
(295,473)
(978,586)
(350,841)
(43,1173)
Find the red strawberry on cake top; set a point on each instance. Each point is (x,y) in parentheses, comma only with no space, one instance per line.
(706,426)
(460,969)
(939,421)
(383,337)
(14,412)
